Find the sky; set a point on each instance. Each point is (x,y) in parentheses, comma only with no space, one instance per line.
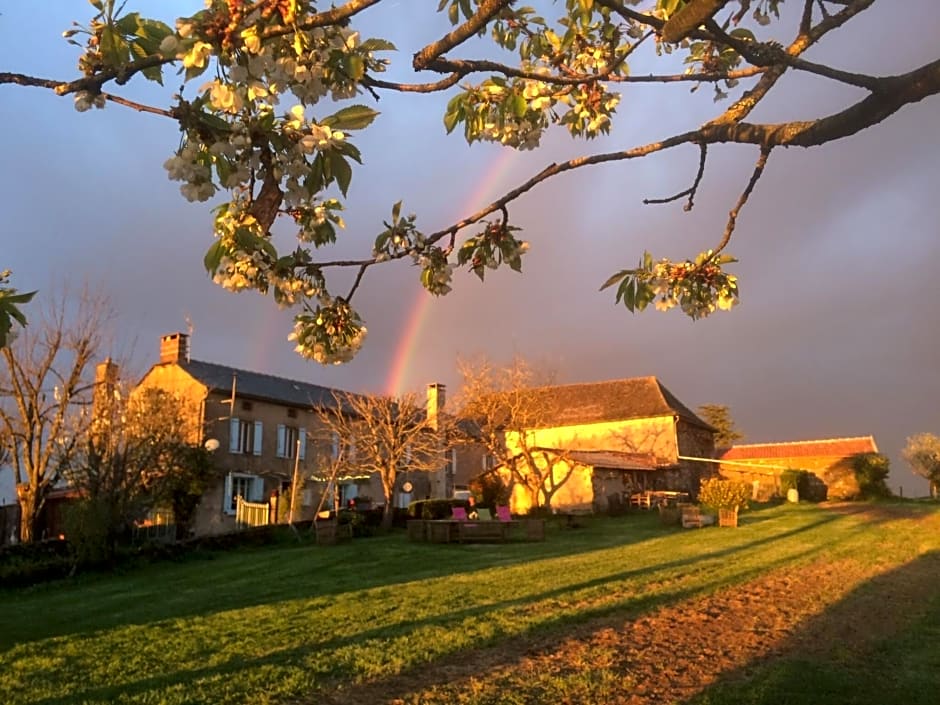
(836,334)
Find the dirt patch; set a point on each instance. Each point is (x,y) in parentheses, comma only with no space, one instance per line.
(670,655)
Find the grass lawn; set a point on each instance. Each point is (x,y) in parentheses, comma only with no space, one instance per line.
(800,604)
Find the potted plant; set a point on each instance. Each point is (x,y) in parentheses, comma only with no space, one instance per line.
(726,497)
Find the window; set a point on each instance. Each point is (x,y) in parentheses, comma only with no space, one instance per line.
(245,437)
(248,487)
(489,462)
(288,438)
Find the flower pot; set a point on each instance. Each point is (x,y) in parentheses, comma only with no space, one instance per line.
(728,517)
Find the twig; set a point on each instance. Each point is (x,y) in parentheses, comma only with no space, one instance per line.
(690,192)
(362,271)
(140,107)
(733,215)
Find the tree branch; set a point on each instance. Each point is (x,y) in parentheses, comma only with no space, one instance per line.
(485,12)
(733,215)
(690,192)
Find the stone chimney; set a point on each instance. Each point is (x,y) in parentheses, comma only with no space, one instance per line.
(437,396)
(174,348)
(104,407)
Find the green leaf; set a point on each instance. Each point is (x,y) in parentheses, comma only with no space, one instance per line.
(450,121)
(614,279)
(355,66)
(350,150)
(342,172)
(376,44)
(129,23)
(114,48)
(396,212)
(519,106)
(355,117)
(213,257)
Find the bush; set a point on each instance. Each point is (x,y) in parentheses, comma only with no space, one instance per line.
(809,487)
(490,490)
(724,494)
(435,508)
(30,563)
(871,473)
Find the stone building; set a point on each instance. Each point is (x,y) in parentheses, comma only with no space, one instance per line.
(830,460)
(611,438)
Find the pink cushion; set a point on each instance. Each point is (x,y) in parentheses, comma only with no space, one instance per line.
(502,513)
(459,513)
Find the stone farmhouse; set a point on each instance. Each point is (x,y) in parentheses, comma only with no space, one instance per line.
(264,427)
(609,439)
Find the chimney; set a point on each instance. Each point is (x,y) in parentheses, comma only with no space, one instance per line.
(174,348)
(103,399)
(437,396)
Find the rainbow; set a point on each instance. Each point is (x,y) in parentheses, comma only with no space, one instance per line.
(411,332)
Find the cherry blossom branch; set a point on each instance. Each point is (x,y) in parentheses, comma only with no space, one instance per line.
(486,10)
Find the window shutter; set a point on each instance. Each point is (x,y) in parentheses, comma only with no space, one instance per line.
(256,488)
(302,437)
(233,428)
(227,494)
(257,446)
(281,441)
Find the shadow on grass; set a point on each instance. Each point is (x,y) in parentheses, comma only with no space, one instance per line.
(880,644)
(447,660)
(265,577)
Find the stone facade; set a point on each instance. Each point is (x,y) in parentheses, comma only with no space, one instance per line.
(830,460)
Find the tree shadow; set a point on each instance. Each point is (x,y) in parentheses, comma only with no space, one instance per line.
(152,595)
(879,644)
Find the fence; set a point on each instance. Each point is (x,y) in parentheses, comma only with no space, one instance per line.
(251,514)
(159,526)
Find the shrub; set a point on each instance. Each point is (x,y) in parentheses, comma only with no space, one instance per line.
(435,508)
(490,490)
(871,473)
(809,487)
(724,494)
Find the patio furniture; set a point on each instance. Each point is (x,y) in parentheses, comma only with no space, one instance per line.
(691,516)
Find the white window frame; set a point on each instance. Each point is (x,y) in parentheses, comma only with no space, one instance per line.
(287,439)
(253,484)
(245,436)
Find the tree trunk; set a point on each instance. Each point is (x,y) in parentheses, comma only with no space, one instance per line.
(29,513)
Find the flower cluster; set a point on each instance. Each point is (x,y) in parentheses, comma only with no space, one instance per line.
(436,273)
(491,248)
(331,335)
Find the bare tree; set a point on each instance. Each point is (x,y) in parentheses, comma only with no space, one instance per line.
(499,411)
(384,435)
(45,396)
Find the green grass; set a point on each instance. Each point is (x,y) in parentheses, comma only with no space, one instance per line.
(293,623)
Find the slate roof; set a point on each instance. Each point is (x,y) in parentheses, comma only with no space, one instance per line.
(828,448)
(256,385)
(613,400)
